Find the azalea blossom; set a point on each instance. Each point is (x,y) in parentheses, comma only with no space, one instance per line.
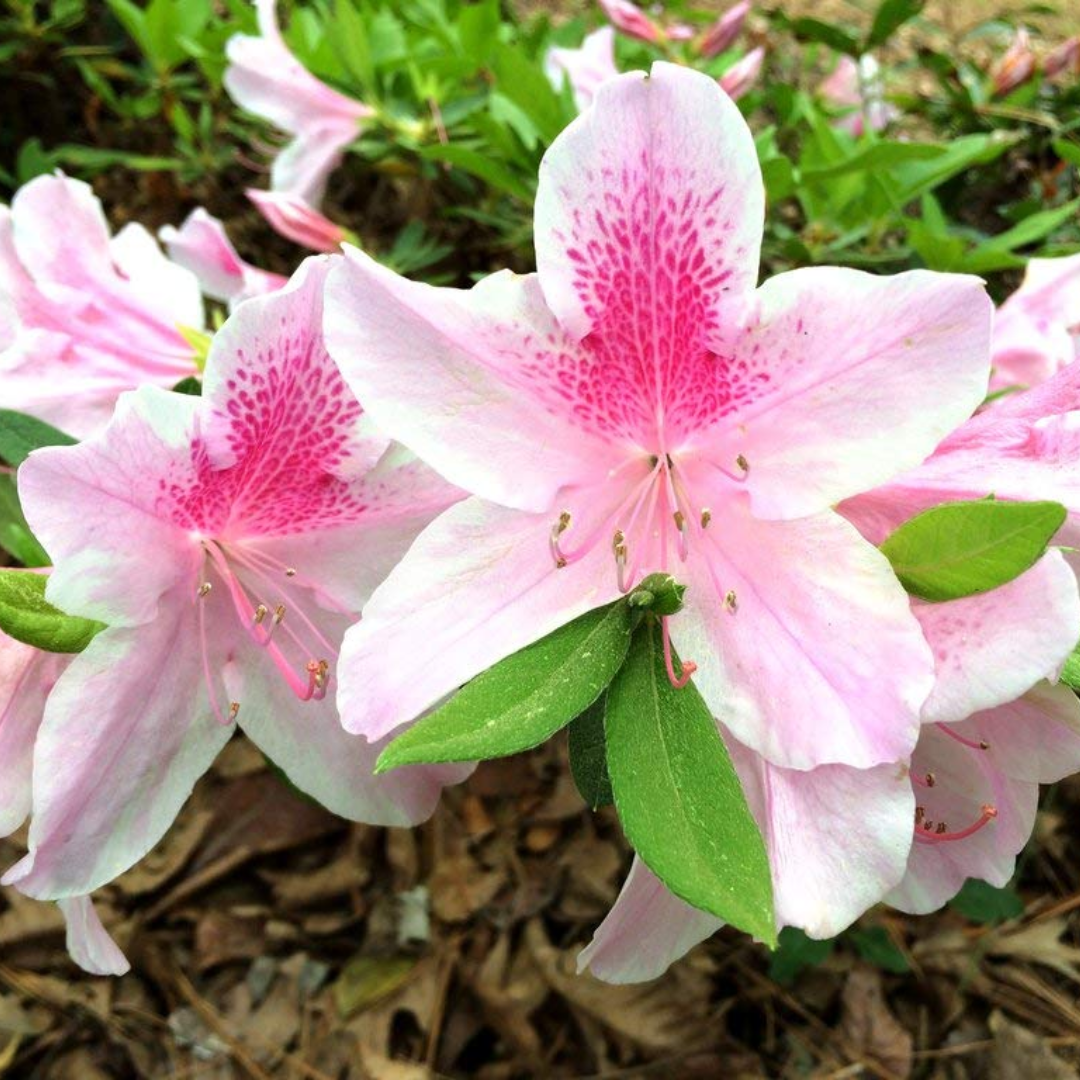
(265,78)
(857,87)
(723,33)
(631,20)
(84,315)
(1064,59)
(1016,65)
(742,75)
(1037,329)
(202,246)
(291,217)
(227,542)
(638,406)
(587,68)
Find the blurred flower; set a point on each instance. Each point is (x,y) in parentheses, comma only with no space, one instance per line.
(202,246)
(1037,329)
(85,316)
(587,68)
(267,80)
(722,34)
(1016,66)
(742,75)
(631,20)
(1063,60)
(291,217)
(227,541)
(859,89)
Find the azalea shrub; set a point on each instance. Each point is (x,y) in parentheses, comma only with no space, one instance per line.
(711,449)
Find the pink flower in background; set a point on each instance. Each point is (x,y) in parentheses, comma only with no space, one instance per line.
(631,20)
(1037,329)
(723,33)
(586,68)
(85,316)
(638,406)
(858,88)
(1064,59)
(227,541)
(294,219)
(267,80)
(742,75)
(1015,66)
(202,246)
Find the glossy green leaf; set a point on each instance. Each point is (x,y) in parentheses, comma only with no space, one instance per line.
(588,755)
(889,17)
(981,902)
(678,796)
(876,947)
(15,535)
(524,699)
(795,953)
(27,616)
(962,548)
(1070,673)
(21,434)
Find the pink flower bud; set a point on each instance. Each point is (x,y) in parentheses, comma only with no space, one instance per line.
(630,19)
(294,219)
(1016,66)
(1065,59)
(722,34)
(743,73)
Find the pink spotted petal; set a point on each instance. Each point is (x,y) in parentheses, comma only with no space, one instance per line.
(838,838)
(477,585)
(127,731)
(821,661)
(851,379)
(88,942)
(647,930)
(464,379)
(100,509)
(991,648)
(648,215)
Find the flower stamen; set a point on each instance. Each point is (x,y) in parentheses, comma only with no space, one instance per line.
(929,833)
(971,744)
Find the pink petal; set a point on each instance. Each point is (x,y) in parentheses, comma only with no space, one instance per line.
(462,378)
(586,68)
(822,661)
(647,930)
(291,217)
(127,732)
(88,942)
(838,838)
(477,585)
(166,290)
(98,510)
(859,378)
(991,648)
(648,216)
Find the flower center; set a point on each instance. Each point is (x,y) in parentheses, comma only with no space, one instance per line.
(269,599)
(928,831)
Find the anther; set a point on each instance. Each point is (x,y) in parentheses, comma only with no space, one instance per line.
(942,828)
(234,711)
(930,834)
(204,589)
(743,463)
(706,517)
(931,780)
(680,520)
(260,613)
(971,744)
(618,541)
(920,813)
(318,676)
(731,601)
(290,572)
(279,614)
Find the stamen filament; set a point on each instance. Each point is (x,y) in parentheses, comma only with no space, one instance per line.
(926,832)
(688,666)
(982,744)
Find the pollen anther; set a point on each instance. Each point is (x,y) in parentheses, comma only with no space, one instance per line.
(260,613)
(731,601)
(204,589)
(234,710)
(706,517)
(743,463)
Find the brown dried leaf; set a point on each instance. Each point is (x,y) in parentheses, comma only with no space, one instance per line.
(869,1029)
(1039,942)
(460,888)
(1018,1052)
(170,856)
(221,937)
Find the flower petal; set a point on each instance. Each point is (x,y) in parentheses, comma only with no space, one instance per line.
(647,930)
(477,585)
(88,942)
(127,731)
(649,210)
(821,661)
(857,378)
(991,648)
(460,378)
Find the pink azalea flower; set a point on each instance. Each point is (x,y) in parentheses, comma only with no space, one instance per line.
(846,88)
(1064,59)
(1037,329)
(202,246)
(631,20)
(636,406)
(1016,65)
(723,33)
(291,217)
(586,68)
(85,316)
(227,542)
(267,80)
(742,75)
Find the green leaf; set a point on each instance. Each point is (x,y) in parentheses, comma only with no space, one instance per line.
(27,616)
(524,699)
(15,535)
(1070,673)
(588,755)
(808,29)
(678,795)
(982,903)
(962,548)
(795,953)
(20,434)
(877,948)
(188,385)
(889,17)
